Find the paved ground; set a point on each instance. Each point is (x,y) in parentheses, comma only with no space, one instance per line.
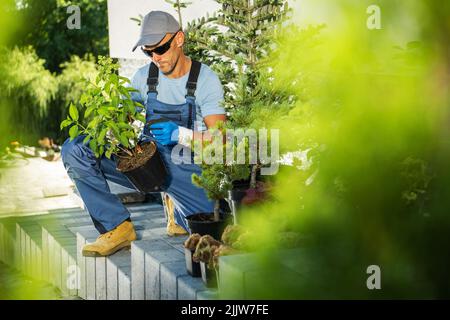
(15,285)
(28,188)
(25,190)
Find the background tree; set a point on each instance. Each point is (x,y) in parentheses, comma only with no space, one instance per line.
(71,85)
(46,30)
(27,89)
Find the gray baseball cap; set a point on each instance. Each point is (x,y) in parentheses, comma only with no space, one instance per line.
(155,25)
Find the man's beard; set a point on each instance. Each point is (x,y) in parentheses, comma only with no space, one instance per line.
(173,68)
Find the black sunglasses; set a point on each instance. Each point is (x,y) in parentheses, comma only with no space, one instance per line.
(161,49)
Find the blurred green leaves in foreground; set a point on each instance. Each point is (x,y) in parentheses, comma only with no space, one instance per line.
(373,115)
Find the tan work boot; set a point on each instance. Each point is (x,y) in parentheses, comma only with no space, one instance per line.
(173,229)
(112,241)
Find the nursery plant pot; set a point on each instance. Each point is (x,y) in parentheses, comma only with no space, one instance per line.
(149,173)
(236,195)
(192,267)
(239,190)
(209,276)
(234,199)
(204,224)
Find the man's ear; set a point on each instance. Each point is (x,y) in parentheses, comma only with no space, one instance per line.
(180,39)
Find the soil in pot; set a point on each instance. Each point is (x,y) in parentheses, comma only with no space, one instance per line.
(192,267)
(204,224)
(146,170)
(127,163)
(208,276)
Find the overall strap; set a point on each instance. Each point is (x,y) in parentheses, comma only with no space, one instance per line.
(191,84)
(152,80)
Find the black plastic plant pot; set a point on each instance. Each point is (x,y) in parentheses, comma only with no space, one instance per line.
(151,176)
(208,276)
(192,267)
(241,184)
(204,224)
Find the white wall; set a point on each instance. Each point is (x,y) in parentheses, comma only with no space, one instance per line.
(123,32)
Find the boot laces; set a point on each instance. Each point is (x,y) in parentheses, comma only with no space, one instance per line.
(106,235)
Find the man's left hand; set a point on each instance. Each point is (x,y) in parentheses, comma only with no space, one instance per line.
(165,133)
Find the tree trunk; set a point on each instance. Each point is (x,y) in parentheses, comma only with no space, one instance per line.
(179,14)
(253,177)
(216,210)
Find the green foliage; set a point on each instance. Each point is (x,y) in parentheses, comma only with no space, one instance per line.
(8,28)
(238,55)
(218,172)
(25,77)
(28,88)
(235,41)
(10,22)
(38,99)
(250,28)
(200,33)
(415,173)
(107,111)
(71,85)
(138,19)
(363,111)
(71,81)
(47,32)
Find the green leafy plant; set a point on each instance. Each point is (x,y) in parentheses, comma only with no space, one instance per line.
(108,114)
(217,177)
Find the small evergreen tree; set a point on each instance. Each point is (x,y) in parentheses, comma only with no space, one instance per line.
(239,55)
(217,178)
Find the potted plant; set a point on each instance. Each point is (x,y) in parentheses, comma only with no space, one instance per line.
(204,222)
(208,251)
(204,254)
(246,185)
(110,123)
(216,179)
(192,267)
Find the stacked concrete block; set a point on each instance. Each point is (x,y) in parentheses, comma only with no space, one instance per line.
(161,264)
(109,278)
(154,268)
(170,274)
(233,269)
(7,241)
(247,276)
(117,266)
(189,287)
(30,235)
(124,279)
(87,265)
(209,294)
(59,258)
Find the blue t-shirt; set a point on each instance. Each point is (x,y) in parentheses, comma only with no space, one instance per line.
(208,95)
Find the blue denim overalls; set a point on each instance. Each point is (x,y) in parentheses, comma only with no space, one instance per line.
(90,174)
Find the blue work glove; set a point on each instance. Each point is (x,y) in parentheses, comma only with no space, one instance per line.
(165,133)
